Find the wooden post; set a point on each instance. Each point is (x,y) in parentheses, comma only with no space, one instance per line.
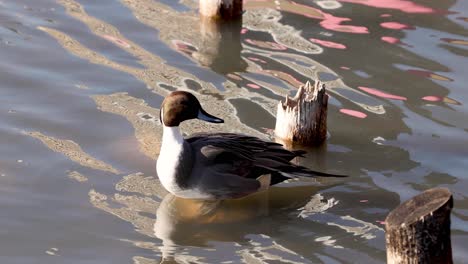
(418,231)
(303,119)
(221,9)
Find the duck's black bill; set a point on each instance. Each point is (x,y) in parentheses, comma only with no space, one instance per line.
(203,115)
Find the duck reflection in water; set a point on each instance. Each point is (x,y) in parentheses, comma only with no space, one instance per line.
(194,223)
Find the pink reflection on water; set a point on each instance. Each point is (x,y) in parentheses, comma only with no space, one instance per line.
(390,40)
(328,44)
(244,30)
(234,76)
(402,5)
(256,59)
(353,113)
(345,68)
(253,86)
(432,98)
(395,25)
(285,77)
(381,94)
(334,23)
(184,47)
(329,22)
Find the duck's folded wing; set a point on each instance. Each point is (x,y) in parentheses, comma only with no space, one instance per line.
(250,156)
(222,159)
(247,147)
(244,156)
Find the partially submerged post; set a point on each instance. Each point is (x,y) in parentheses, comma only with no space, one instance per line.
(303,119)
(221,9)
(418,231)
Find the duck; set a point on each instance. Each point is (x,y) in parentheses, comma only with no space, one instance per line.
(217,166)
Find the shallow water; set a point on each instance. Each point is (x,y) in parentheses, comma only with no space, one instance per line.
(82,80)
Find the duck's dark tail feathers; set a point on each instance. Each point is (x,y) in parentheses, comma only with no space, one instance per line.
(277,161)
(299,171)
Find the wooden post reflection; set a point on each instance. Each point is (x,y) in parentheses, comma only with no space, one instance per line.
(316,156)
(220,32)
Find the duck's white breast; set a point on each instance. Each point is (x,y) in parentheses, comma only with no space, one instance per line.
(168,162)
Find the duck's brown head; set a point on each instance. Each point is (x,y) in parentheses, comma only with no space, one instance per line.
(179,106)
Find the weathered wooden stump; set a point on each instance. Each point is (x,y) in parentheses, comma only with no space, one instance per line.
(418,231)
(303,119)
(221,9)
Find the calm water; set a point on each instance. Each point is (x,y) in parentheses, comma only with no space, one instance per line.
(82,80)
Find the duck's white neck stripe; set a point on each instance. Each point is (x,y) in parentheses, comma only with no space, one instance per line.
(172,136)
(169,158)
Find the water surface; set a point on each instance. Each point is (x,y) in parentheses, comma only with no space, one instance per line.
(81,85)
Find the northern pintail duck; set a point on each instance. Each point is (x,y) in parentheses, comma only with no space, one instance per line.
(218,165)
